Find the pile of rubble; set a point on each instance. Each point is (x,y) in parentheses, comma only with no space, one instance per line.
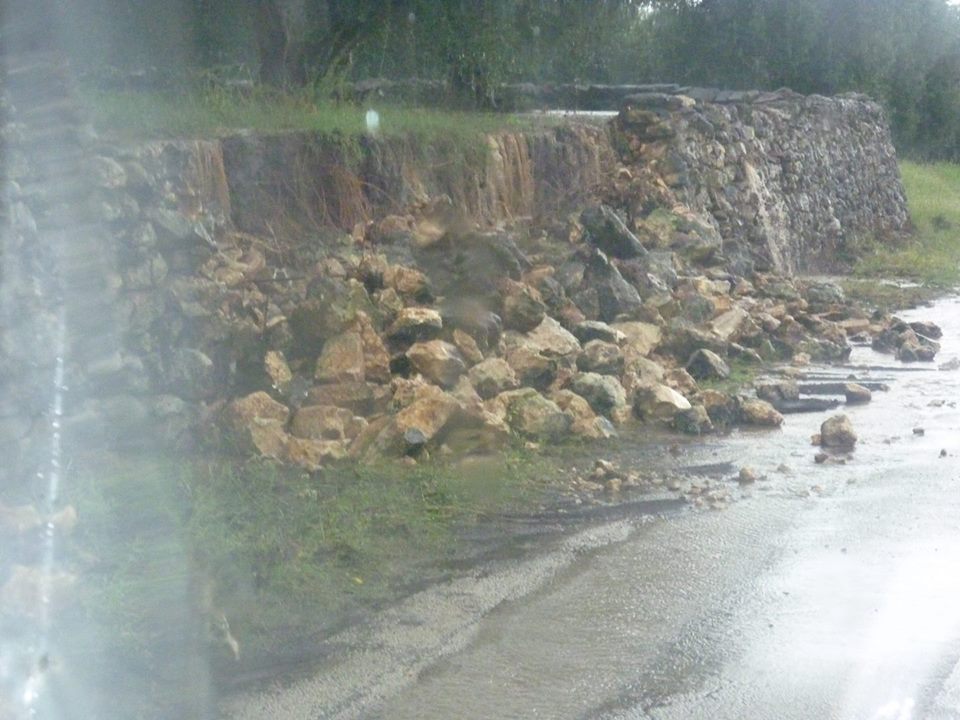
(405,343)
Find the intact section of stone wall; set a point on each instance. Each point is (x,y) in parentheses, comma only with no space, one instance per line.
(790,181)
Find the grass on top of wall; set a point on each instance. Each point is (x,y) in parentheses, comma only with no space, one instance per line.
(149,115)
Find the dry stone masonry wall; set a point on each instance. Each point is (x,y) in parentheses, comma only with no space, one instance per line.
(790,181)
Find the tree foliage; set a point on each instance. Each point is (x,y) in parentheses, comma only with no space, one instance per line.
(906,53)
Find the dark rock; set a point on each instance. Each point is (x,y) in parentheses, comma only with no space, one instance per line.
(927,329)
(190,374)
(595,330)
(693,421)
(472,265)
(606,231)
(805,405)
(473,318)
(615,296)
(707,365)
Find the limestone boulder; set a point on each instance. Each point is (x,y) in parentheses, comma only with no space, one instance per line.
(779,391)
(655,401)
(721,407)
(682,339)
(823,295)
(325,422)
(492,377)
(522,306)
(532,368)
(426,418)
(472,264)
(552,340)
(857,394)
(601,357)
(531,415)
(438,361)
(277,370)
(311,454)
(837,432)
(585,422)
(467,346)
(604,393)
(645,371)
(407,282)
(376,359)
(681,381)
(405,390)
(341,360)
(361,398)
(190,374)
(256,423)
(760,413)
(415,324)
(728,325)
(640,338)
(912,347)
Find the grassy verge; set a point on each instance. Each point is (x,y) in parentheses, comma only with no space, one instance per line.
(282,554)
(931,257)
(142,115)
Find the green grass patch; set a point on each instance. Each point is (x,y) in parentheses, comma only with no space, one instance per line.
(932,255)
(742,374)
(890,296)
(284,555)
(213,112)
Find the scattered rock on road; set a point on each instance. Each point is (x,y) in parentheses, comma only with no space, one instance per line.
(837,432)
(857,394)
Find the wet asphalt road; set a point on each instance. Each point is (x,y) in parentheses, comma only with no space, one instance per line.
(822,592)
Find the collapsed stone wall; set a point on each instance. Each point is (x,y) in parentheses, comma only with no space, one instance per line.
(792,182)
(225,248)
(373,278)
